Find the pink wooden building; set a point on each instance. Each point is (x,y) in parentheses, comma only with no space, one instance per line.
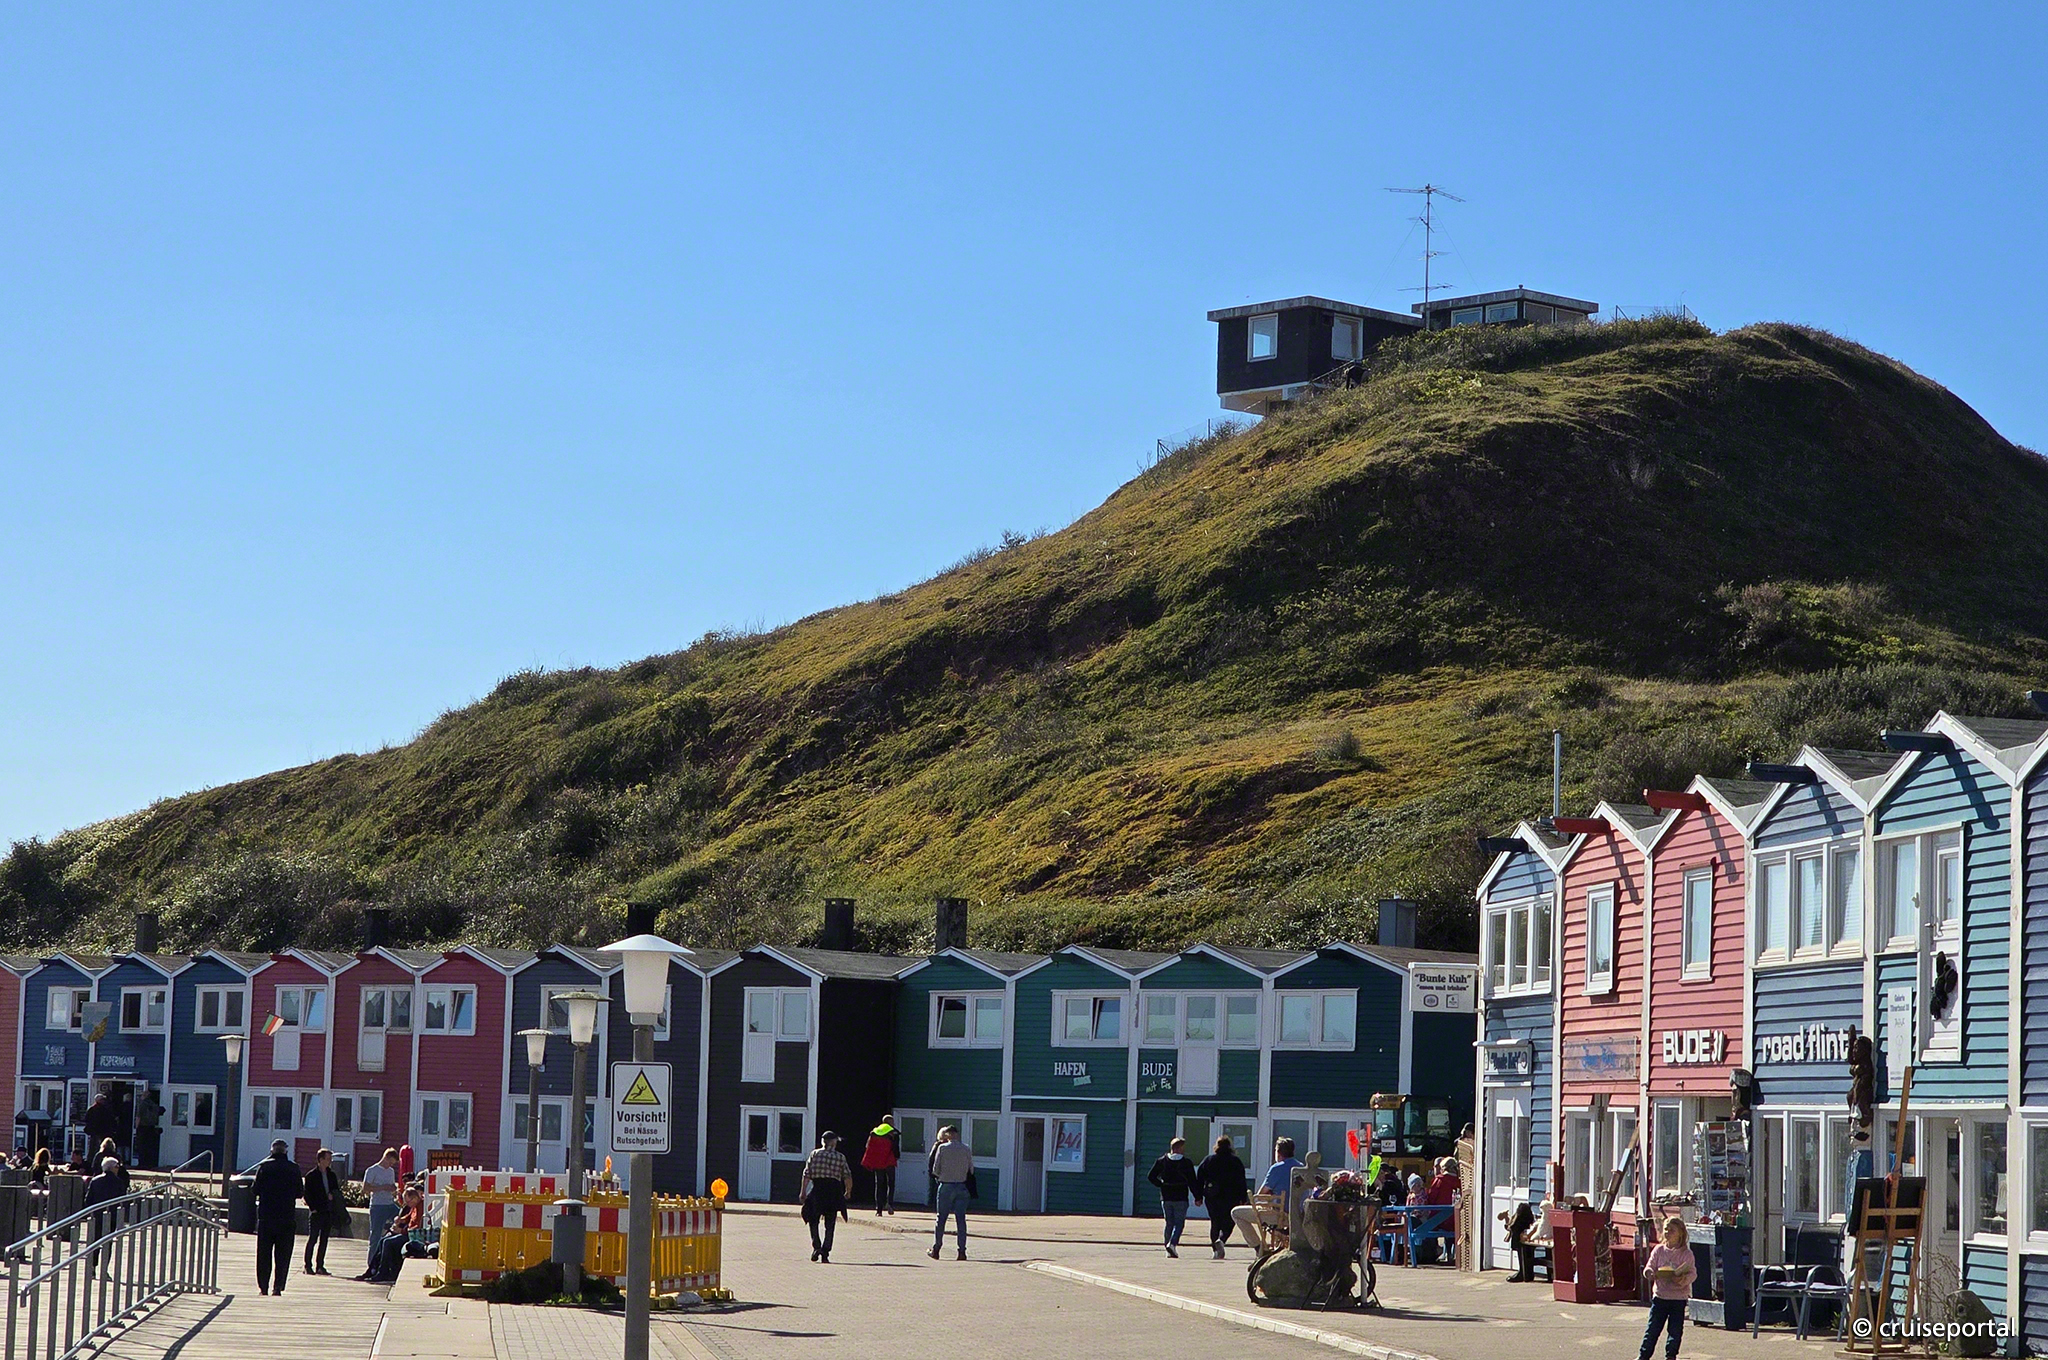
(465,1012)
(1603,892)
(1698,871)
(286,1075)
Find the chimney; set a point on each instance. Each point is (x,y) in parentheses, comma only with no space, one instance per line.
(376,927)
(949,922)
(838,932)
(641,918)
(1397,923)
(146,929)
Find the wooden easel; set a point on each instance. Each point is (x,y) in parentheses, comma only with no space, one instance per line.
(1603,1258)
(1888,1225)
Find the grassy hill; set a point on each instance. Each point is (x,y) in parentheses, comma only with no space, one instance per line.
(1280,674)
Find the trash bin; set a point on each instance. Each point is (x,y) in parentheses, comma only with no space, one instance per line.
(241,1204)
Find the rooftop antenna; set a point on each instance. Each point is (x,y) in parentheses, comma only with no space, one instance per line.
(1430,193)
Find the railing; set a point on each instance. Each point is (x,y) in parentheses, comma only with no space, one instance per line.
(171,1177)
(87,1275)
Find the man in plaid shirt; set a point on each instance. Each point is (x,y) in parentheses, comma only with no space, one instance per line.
(826,1183)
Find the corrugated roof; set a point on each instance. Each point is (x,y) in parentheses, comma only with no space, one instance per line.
(1263,960)
(1007,964)
(1858,766)
(2005,734)
(1129,960)
(1404,957)
(848,963)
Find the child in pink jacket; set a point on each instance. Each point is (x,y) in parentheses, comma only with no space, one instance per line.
(1670,1272)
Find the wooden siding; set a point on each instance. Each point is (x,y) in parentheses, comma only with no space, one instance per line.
(1792,999)
(930,1078)
(2033,1035)
(727,1093)
(1697,840)
(1098,1187)
(394,1083)
(1445,1065)
(37,1039)
(1942,790)
(122,1055)
(1618,1013)
(1202,972)
(1524,875)
(675,1173)
(1034,1053)
(474,1063)
(857,1068)
(1310,1079)
(1811,812)
(2034,1302)
(1532,1018)
(10,1045)
(201,1059)
(550,970)
(1984,1276)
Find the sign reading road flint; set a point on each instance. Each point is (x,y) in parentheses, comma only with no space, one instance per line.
(1815,1043)
(640,1106)
(1442,990)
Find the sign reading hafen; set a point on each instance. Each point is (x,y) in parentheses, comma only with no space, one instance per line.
(640,1106)
(1436,989)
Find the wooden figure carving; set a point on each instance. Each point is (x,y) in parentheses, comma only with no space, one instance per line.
(1862,1077)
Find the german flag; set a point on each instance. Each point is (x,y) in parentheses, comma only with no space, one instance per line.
(273,1024)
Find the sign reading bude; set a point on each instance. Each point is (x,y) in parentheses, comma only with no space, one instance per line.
(642,1114)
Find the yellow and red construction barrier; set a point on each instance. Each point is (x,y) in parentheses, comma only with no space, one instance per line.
(498,1222)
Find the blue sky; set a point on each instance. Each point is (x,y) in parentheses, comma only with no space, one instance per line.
(355,356)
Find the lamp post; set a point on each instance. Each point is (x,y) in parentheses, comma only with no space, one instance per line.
(646,967)
(231,1044)
(536,1059)
(567,1250)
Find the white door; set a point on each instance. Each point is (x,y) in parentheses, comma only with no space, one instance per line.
(1943,1139)
(757,1152)
(1945,931)
(1027,1186)
(1198,1047)
(1506,1171)
(1770,1184)
(910,1172)
(757,1047)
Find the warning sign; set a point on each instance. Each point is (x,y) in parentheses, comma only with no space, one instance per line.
(641,1113)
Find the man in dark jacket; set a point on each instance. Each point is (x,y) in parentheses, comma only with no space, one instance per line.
(102,1122)
(1220,1181)
(278,1188)
(323,1198)
(105,1188)
(1174,1176)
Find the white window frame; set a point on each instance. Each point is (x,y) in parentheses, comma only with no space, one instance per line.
(1319,1019)
(1839,941)
(77,997)
(1796,941)
(1892,941)
(1060,1001)
(2035,1163)
(549,992)
(306,995)
(784,1031)
(1693,969)
(1621,1128)
(1680,1179)
(1972,1229)
(1579,1162)
(1513,1150)
(965,1121)
(447,994)
(1834,944)
(143,993)
(302,1100)
(558,1104)
(1223,998)
(1599,983)
(220,996)
(192,1094)
(445,1102)
(970,1003)
(1834,1164)
(1251,337)
(1353,330)
(1794,1121)
(1524,927)
(1052,1132)
(390,997)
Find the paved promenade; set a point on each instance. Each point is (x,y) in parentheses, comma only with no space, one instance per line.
(1033,1287)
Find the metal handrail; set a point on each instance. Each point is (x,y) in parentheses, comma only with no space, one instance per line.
(171,1177)
(101,1268)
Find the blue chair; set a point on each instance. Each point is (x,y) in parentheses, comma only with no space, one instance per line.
(1390,1241)
(1432,1223)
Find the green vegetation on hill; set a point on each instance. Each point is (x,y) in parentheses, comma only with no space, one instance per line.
(1277,676)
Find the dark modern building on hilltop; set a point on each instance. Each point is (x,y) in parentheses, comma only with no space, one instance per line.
(1271,353)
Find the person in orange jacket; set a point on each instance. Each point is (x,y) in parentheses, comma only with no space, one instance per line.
(884,1150)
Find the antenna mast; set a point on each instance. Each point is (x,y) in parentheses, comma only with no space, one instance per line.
(1430,193)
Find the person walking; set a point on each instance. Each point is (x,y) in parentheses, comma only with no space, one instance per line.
(951,1167)
(1669,1271)
(1174,1177)
(381,1181)
(1220,1180)
(102,1121)
(323,1198)
(105,1188)
(149,1131)
(1279,1183)
(824,1187)
(278,1188)
(884,1150)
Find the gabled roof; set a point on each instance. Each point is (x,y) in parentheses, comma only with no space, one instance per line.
(708,961)
(993,962)
(92,965)
(1393,958)
(1260,961)
(20,963)
(1859,776)
(2005,745)
(1546,845)
(504,960)
(1640,826)
(841,963)
(1741,801)
(411,960)
(1129,962)
(329,961)
(597,961)
(170,965)
(242,961)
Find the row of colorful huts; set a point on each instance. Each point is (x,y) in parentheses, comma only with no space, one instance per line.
(1055,1067)
(1651,969)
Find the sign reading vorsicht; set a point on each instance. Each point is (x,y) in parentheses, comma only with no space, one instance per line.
(641,1112)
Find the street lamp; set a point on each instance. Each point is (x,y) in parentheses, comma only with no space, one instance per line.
(647,959)
(536,1059)
(231,1044)
(567,1249)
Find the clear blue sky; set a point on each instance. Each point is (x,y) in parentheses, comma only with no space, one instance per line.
(355,356)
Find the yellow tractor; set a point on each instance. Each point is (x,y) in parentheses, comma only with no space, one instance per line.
(1411,1135)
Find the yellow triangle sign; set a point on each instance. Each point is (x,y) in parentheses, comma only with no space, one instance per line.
(640,1092)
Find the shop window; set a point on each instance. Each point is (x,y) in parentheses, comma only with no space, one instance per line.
(1805,1150)
(1068,1144)
(1668,1162)
(1988,1178)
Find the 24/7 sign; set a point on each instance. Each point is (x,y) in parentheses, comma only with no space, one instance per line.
(641,1111)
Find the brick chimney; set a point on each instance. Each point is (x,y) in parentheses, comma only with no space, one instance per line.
(949,924)
(838,931)
(641,918)
(1397,923)
(147,929)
